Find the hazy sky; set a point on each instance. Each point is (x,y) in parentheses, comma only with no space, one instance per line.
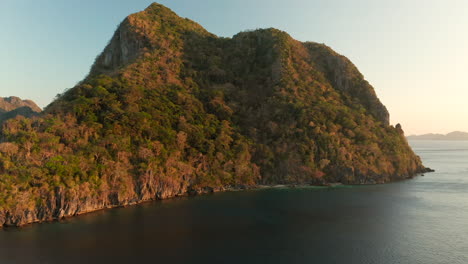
(414,52)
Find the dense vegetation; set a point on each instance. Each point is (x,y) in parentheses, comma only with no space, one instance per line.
(170,109)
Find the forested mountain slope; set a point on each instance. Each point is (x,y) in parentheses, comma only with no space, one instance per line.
(170,109)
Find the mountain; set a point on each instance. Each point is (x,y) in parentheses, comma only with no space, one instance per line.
(169,109)
(11,103)
(456,135)
(12,106)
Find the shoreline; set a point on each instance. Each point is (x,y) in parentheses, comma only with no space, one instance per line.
(193,193)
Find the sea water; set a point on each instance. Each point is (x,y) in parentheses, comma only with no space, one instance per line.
(423,220)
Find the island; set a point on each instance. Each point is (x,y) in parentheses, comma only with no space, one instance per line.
(169,109)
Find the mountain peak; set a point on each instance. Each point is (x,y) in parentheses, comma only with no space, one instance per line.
(157,28)
(156,12)
(158,8)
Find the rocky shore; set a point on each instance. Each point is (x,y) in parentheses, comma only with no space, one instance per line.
(60,206)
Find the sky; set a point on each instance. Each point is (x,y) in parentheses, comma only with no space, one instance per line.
(414,52)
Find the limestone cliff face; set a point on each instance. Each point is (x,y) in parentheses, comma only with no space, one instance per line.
(344,76)
(125,46)
(169,109)
(139,35)
(61,203)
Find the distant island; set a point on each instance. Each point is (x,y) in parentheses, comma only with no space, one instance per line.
(170,109)
(457,135)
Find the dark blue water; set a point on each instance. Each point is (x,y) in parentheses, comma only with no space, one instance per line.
(424,220)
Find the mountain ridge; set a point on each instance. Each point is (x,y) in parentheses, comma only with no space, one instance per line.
(455,135)
(169,109)
(13,106)
(11,103)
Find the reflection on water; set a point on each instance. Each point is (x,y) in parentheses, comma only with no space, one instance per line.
(416,221)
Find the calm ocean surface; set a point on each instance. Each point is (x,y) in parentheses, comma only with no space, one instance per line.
(424,220)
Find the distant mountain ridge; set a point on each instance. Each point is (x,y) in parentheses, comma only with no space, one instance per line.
(456,135)
(13,106)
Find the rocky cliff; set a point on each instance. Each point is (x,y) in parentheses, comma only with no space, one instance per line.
(169,109)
